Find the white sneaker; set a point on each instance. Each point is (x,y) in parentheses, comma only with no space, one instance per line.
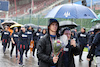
(26,57)
(33,56)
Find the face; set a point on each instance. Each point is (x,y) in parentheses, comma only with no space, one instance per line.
(6,28)
(44,31)
(23,29)
(75,30)
(30,28)
(72,33)
(16,30)
(82,30)
(53,27)
(40,29)
(68,34)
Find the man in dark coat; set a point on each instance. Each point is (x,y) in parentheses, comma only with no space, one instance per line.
(70,50)
(45,48)
(82,41)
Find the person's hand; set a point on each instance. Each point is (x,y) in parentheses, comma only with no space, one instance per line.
(88,59)
(90,47)
(73,43)
(55,59)
(13,42)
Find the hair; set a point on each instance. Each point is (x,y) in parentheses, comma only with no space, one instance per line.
(67,28)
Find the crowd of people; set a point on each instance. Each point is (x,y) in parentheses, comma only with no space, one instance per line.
(43,42)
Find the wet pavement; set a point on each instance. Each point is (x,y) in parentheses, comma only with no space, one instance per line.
(6,61)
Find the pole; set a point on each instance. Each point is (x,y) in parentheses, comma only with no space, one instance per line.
(91,4)
(15,7)
(32,6)
(72,1)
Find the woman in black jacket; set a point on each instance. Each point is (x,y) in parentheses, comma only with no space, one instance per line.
(45,48)
(70,50)
(5,37)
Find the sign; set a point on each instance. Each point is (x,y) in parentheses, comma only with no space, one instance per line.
(4,5)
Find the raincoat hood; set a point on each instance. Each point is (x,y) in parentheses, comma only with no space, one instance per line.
(50,22)
(15,29)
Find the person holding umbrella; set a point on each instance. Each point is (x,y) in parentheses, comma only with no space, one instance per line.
(82,41)
(5,37)
(14,39)
(23,43)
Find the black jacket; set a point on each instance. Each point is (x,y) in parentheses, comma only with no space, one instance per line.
(82,38)
(5,36)
(36,36)
(91,37)
(71,52)
(95,46)
(44,50)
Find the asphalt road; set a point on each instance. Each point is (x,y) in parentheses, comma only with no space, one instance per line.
(6,61)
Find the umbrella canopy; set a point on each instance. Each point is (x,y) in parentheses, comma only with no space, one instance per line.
(69,24)
(8,23)
(97,26)
(96,20)
(32,25)
(1,27)
(16,25)
(68,11)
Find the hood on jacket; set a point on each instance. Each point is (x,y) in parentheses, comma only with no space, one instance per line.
(67,28)
(50,22)
(15,29)
(38,29)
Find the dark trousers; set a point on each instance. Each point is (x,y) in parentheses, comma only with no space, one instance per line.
(34,48)
(81,51)
(4,43)
(21,55)
(91,59)
(13,48)
(27,50)
(4,47)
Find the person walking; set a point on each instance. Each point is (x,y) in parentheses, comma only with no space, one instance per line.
(82,41)
(70,50)
(95,48)
(23,43)
(45,46)
(14,39)
(36,37)
(30,38)
(5,37)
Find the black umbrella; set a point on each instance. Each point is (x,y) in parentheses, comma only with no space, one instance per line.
(69,24)
(97,26)
(8,23)
(32,25)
